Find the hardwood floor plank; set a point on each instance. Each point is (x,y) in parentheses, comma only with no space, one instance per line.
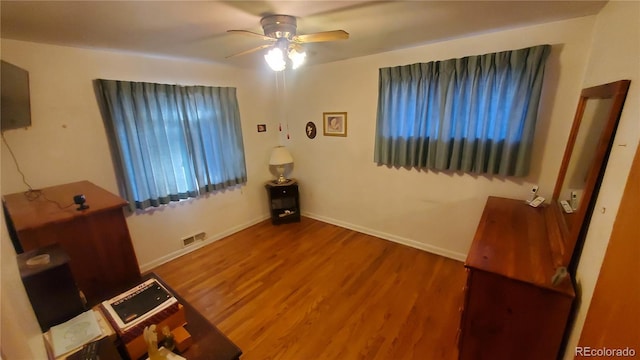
(312,290)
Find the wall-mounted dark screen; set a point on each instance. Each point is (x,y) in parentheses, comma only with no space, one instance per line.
(15,102)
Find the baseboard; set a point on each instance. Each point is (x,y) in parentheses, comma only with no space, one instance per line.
(386,236)
(176,254)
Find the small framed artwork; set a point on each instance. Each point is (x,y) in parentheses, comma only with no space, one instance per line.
(335,123)
(310,130)
(262,127)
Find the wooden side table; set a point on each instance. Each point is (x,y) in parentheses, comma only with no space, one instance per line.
(284,202)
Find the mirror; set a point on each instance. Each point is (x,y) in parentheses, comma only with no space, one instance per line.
(585,159)
(583,154)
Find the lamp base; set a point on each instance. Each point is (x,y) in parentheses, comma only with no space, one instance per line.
(281,180)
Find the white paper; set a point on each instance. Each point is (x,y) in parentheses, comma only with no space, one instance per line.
(75,333)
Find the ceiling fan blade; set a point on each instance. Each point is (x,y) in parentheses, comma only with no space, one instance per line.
(251,33)
(250,51)
(322,36)
(296,47)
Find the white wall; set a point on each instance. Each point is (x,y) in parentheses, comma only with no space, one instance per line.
(67,142)
(615,55)
(435,211)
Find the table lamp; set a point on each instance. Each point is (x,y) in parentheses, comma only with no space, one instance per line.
(280,157)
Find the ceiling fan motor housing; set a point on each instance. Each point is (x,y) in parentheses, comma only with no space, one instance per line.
(279,26)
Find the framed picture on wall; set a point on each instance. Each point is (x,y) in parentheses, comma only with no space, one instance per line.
(334,123)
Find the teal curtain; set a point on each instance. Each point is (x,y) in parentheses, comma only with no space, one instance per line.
(172,142)
(475,114)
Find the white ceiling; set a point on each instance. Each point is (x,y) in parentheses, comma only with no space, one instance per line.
(197,29)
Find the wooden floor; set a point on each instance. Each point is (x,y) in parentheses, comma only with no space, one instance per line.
(311,290)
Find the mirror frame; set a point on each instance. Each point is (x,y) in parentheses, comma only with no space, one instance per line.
(570,235)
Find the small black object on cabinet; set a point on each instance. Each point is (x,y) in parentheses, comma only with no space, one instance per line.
(284,202)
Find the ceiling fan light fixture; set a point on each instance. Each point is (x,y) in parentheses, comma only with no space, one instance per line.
(275,59)
(279,26)
(297,58)
(280,30)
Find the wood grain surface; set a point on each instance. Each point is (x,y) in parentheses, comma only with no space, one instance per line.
(96,239)
(311,290)
(512,240)
(614,314)
(55,204)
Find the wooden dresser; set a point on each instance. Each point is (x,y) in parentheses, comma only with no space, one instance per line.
(96,239)
(511,309)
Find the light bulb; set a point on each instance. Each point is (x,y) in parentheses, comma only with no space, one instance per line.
(275,59)
(297,58)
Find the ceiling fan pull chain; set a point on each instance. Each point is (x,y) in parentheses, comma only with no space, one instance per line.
(285,98)
(279,107)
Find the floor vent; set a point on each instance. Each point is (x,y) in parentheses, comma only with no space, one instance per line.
(190,240)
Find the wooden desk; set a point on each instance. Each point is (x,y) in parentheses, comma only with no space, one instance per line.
(208,342)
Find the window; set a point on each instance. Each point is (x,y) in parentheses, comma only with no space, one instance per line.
(474,114)
(172,142)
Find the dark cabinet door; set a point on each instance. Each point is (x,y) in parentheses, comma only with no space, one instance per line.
(284,202)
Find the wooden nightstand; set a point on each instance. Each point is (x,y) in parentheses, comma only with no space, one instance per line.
(284,202)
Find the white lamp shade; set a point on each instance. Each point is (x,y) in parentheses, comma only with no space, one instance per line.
(275,59)
(280,156)
(297,58)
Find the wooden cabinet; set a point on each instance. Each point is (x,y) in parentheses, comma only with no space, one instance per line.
(284,202)
(96,239)
(512,310)
(51,288)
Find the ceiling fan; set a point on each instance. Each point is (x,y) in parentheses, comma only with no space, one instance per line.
(280,32)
